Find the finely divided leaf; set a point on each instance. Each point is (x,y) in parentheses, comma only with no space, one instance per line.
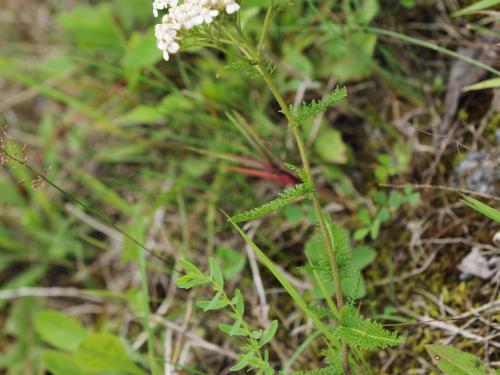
(364,334)
(283,199)
(322,312)
(308,110)
(318,253)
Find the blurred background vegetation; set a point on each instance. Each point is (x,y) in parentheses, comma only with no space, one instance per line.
(157,149)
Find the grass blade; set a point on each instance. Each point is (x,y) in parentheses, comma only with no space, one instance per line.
(482,208)
(487,84)
(476,7)
(268,263)
(423,43)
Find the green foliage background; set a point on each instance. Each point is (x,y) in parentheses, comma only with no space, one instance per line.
(158,149)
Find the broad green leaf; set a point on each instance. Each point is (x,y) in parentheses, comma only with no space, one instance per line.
(214,304)
(364,216)
(351,59)
(330,146)
(257,334)
(188,266)
(368,11)
(375,228)
(140,115)
(240,365)
(361,233)
(482,208)
(297,59)
(269,333)
(407,3)
(176,103)
(103,352)
(59,330)
(233,262)
(131,13)
(233,330)
(190,281)
(476,7)
(141,50)
(93,26)
(362,257)
(487,84)
(455,362)
(383,214)
(61,364)
(239,302)
(216,272)
(293,214)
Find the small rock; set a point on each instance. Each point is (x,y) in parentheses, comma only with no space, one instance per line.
(477,265)
(496,239)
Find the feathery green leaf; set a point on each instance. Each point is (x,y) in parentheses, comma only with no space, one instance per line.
(317,252)
(282,200)
(300,171)
(322,312)
(304,111)
(364,334)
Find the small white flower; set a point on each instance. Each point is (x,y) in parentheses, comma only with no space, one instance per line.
(232,8)
(197,20)
(185,16)
(173,47)
(163,4)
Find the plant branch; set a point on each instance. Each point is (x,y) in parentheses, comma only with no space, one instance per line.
(314,195)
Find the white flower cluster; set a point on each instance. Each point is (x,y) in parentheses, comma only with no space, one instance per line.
(185,16)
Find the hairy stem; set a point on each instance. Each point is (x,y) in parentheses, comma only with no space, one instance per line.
(314,195)
(256,57)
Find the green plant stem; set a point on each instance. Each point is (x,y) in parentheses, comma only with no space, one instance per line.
(256,57)
(314,195)
(267,21)
(240,318)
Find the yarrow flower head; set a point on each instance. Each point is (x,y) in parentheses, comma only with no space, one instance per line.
(183,16)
